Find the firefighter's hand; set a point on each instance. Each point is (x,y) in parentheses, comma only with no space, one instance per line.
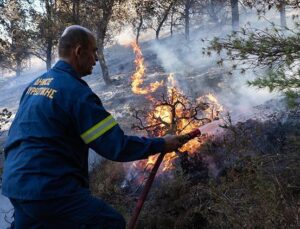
(173,142)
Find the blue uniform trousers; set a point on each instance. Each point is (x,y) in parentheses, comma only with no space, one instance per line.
(80,211)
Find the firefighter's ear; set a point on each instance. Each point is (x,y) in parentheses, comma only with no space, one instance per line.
(78,50)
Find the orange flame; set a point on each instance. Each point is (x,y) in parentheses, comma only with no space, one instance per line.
(173,116)
(175,120)
(215,107)
(137,77)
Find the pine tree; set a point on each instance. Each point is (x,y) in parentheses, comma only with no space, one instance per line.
(275,50)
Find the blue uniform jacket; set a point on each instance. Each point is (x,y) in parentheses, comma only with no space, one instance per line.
(59,118)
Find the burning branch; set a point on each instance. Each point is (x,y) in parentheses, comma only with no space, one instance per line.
(141,125)
(174,113)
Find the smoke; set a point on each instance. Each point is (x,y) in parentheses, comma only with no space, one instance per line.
(6,212)
(125,37)
(177,56)
(200,74)
(11,88)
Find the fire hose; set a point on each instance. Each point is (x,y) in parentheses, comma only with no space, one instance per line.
(143,196)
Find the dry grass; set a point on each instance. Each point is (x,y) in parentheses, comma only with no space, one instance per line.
(259,186)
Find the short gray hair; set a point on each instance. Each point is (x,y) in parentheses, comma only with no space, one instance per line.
(72,36)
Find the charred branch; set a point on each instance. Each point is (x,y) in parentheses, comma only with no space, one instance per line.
(173,114)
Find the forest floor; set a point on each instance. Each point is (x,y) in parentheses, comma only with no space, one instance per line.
(246,176)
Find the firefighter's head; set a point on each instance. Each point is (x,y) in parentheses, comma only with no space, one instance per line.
(77,46)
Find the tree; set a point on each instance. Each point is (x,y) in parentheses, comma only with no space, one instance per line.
(173,19)
(162,12)
(75,11)
(282,13)
(16,36)
(216,10)
(47,26)
(106,7)
(273,50)
(97,15)
(235,14)
(151,14)
(187,7)
(55,16)
(145,11)
(262,6)
(138,23)
(68,11)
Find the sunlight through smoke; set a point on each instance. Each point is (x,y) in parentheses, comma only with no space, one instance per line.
(125,37)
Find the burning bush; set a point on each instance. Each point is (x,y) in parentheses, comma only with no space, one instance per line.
(245,177)
(255,186)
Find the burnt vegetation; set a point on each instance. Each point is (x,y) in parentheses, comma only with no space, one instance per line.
(4,119)
(247,176)
(165,117)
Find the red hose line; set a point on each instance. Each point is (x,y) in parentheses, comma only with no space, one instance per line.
(145,192)
(143,196)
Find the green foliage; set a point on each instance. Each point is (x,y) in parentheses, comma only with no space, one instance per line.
(47,25)
(277,80)
(262,6)
(274,50)
(262,48)
(15,35)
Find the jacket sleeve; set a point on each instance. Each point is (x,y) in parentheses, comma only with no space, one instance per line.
(99,130)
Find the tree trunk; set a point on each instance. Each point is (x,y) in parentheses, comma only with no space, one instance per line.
(187,19)
(235,14)
(138,30)
(212,12)
(172,21)
(104,68)
(18,67)
(166,13)
(49,40)
(75,12)
(101,34)
(282,14)
(49,53)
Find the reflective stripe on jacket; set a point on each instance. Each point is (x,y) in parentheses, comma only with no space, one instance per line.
(59,118)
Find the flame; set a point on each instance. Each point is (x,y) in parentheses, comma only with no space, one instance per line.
(173,114)
(151,160)
(215,107)
(137,77)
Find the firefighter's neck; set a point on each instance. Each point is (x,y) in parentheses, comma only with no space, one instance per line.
(73,63)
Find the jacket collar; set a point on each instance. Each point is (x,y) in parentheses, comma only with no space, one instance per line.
(66,67)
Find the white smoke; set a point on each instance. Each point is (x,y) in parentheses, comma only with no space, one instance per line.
(125,37)
(6,212)
(186,60)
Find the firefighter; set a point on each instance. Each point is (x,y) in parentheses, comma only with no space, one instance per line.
(46,153)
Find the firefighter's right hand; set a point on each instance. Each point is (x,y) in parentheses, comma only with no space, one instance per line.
(173,142)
